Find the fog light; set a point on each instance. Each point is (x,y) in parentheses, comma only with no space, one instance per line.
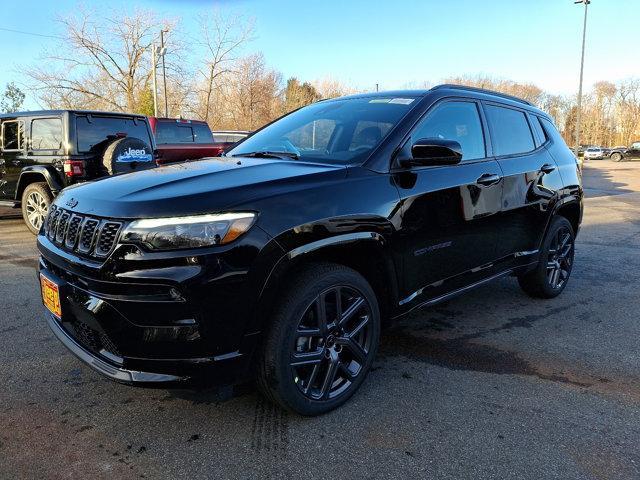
(187,333)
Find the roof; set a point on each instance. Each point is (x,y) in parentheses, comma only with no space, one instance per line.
(41,113)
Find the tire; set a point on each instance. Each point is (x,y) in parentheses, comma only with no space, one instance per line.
(306,368)
(36,200)
(551,275)
(616,157)
(126,155)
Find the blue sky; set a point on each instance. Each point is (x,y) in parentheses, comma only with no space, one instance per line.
(393,43)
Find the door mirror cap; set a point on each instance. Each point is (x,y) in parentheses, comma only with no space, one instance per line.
(432,152)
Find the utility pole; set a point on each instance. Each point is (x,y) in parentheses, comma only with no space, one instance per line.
(154,60)
(164,73)
(579,112)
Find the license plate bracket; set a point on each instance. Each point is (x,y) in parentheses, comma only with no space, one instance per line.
(51,295)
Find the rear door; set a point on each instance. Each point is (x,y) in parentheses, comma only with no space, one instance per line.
(531,178)
(449,215)
(12,156)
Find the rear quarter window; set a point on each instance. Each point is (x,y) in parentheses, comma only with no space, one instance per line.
(46,134)
(95,132)
(510,132)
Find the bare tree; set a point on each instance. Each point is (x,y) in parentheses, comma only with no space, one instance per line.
(223,38)
(103,62)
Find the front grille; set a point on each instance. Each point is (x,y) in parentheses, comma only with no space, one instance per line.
(108,234)
(93,340)
(78,233)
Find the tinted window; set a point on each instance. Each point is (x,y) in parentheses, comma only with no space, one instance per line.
(46,134)
(335,123)
(99,130)
(457,121)
(170,132)
(13,135)
(541,137)
(551,130)
(202,133)
(510,131)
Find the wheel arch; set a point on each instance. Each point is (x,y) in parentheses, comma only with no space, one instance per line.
(35,174)
(572,211)
(364,252)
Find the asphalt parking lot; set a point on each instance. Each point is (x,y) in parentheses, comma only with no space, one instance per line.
(489,385)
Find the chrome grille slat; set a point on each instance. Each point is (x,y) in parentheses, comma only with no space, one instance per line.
(78,233)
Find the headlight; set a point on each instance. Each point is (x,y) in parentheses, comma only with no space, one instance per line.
(189,232)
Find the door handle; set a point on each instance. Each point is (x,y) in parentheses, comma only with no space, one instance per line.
(547,168)
(488,179)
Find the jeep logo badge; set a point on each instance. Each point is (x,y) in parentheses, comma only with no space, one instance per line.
(72,202)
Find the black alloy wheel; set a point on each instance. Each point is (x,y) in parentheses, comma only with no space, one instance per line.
(550,276)
(321,340)
(560,258)
(332,343)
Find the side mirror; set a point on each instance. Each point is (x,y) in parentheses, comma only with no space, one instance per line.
(432,152)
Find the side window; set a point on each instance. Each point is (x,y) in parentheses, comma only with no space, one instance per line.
(457,121)
(541,137)
(46,134)
(635,145)
(551,131)
(313,136)
(510,131)
(202,133)
(13,135)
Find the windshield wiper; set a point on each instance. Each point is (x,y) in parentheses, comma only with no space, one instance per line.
(267,154)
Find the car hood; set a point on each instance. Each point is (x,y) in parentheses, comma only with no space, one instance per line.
(190,188)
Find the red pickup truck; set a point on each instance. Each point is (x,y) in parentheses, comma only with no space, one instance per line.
(178,139)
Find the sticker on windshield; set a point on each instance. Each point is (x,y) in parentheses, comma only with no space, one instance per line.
(401,101)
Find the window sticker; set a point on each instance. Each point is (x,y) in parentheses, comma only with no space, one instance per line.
(402,101)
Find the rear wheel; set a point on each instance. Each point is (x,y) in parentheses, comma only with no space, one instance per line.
(322,342)
(552,273)
(36,199)
(616,157)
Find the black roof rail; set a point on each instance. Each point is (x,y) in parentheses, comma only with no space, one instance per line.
(482,90)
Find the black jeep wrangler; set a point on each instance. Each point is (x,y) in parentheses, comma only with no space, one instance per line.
(43,152)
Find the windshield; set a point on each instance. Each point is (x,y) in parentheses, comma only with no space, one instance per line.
(342,131)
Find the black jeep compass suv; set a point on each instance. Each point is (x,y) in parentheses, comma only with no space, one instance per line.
(279,260)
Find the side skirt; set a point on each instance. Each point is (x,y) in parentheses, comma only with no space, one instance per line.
(459,291)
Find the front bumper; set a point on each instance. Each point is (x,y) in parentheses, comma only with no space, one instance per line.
(147,318)
(115,373)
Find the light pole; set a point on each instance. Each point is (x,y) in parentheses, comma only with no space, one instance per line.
(154,61)
(579,112)
(163,51)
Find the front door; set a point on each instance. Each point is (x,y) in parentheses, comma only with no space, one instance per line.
(12,157)
(449,213)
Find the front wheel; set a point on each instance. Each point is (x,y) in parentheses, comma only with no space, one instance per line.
(616,157)
(322,340)
(36,200)
(552,273)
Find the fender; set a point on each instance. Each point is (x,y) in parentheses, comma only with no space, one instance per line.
(49,174)
(324,249)
(568,200)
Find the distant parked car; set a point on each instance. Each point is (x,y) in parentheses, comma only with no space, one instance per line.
(45,151)
(620,154)
(593,153)
(178,139)
(226,138)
